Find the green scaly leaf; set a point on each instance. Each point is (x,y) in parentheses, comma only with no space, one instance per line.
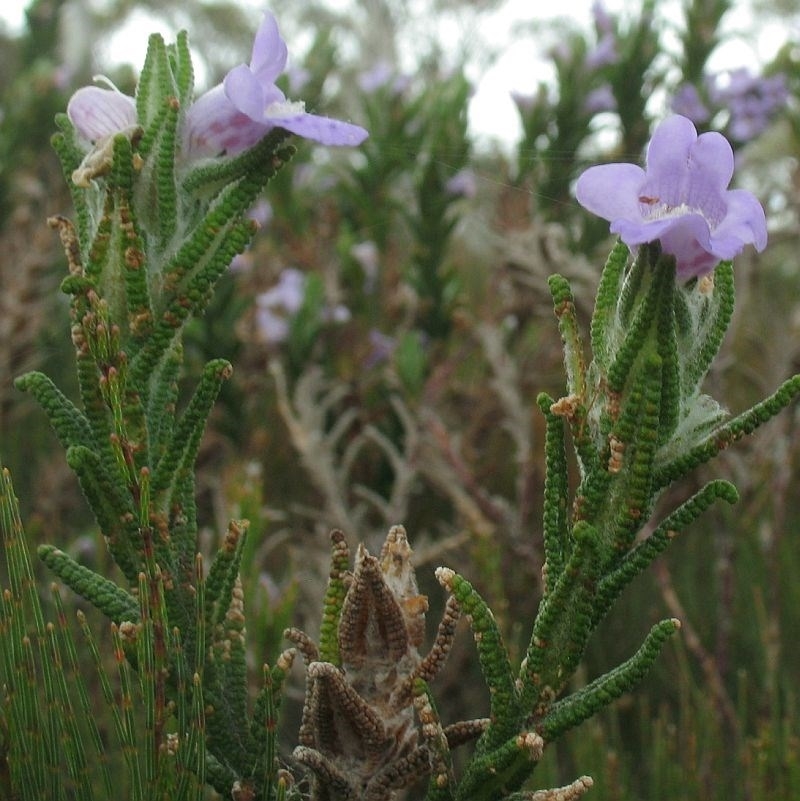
(642,556)
(334,599)
(587,702)
(563,624)
(68,422)
(724,436)
(556,494)
(112,600)
(156,83)
(179,456)
(493,658)
(605,307)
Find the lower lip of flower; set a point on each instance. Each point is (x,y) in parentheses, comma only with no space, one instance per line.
(654,209)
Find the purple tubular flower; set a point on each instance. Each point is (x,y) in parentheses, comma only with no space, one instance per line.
(235,114)
(681,199)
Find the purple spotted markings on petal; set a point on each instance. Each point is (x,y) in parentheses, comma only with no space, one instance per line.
(681,199)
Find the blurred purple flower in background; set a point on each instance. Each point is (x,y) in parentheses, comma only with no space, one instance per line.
(382,347)
(336,314)
(235,114)
(600,100)
(751,100)
(605,51)
(687,102)
(525,103)
(368,256)
(383,75)
(603,21)
(464,183)
(681,199)
(261,213)
(276,306)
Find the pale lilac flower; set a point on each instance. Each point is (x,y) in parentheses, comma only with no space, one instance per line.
(336,314)
(382,346)
(600,100)
(603,21)
(687,102)
(271,327)
(276,306)
(235,114)
(261,213)
(382,75)
(227,119)
(752,101)
(463,184)
(376,77)
(98,113)
(681,199)
(603,54)
(525,103)
(288,293)
(366,253)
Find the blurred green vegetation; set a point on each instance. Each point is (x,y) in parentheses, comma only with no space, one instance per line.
(416,404)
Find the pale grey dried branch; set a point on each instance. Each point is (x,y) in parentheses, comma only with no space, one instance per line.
(517,420)
(305,416)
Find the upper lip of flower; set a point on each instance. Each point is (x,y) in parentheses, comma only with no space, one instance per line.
(682,199)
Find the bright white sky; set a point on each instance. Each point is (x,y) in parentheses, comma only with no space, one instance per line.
(492,113)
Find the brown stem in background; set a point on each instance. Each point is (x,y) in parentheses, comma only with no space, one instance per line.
(695,645)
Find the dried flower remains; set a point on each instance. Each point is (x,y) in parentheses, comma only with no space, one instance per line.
(368,727)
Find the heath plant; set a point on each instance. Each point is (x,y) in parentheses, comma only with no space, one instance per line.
(166,187)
